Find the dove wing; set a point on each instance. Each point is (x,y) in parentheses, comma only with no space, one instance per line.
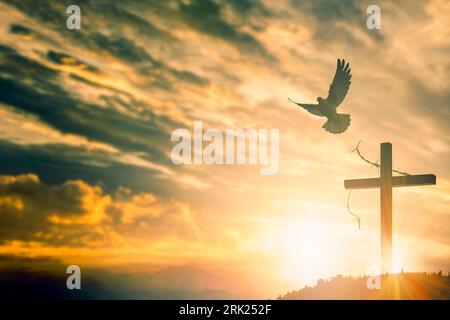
(312,108)
(340,85)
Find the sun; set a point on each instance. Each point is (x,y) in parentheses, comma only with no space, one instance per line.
(398,263)
(303,249)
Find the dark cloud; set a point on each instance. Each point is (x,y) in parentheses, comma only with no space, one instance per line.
(11,262)
(190,77)
(326,10)
(247,7)
(19,29)
(45,97)
(52,13)
(115,42)
(126,50)
(329,13)
(206,16)
(14,65)
(57,108)
(128,13)
(31,87)
(57,163)
(249,14)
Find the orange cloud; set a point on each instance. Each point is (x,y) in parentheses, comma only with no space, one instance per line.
(76,213)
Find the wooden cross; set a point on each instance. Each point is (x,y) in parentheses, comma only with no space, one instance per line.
(385,182)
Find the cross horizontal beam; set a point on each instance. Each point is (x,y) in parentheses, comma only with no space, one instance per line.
(397,181)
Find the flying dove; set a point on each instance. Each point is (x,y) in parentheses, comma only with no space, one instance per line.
(337,122)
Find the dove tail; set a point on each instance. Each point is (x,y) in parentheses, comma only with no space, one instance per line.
(337,125)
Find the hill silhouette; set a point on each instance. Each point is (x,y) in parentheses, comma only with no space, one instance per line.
(405,286)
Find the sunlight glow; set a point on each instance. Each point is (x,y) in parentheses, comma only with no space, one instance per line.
(304,249)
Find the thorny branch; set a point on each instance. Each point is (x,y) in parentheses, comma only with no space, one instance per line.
(358,218)
(376,165)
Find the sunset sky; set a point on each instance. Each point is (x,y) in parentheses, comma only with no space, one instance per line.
(86,118)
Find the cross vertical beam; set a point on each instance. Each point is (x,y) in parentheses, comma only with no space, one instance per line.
(386,206)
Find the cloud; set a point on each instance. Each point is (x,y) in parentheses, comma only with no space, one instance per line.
(48,11)
(248,7)
(20,30)
(57,107)
(431,105)
(56,163)
(122,47)
(127,51)
(128,15)
(77,213)
(68,60)
(38,208)
(334,20)
(206,16)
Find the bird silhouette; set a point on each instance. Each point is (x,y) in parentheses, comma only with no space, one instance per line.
(337,122)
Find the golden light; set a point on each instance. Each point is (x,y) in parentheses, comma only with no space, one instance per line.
(398,262)
(303,249)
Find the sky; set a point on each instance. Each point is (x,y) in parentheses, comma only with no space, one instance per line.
(86,117)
